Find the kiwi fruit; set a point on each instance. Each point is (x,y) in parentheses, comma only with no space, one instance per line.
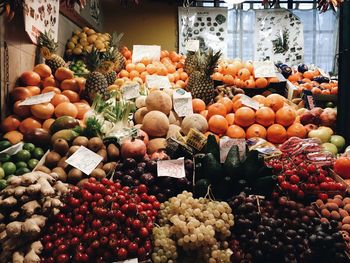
(62,176)
(108,167)
(60,146)
(335,215)
(74,175)
(81,141)
(346,220)
(62,163)
(103,153)
(332,206)
(52,159)
(325,213)
(343,213)
(347,207)
(43,168)
(100,165)
(95,144)
(113,152)
(73,149)
(98,173)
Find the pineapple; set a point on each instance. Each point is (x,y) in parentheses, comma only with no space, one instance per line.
(48,48)
(200,83)
(190,62)
(96,82)
(113,54)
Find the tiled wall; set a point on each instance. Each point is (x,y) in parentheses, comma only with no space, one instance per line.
(21,50)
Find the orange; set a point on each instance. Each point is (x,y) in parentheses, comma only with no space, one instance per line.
(308,74)
(66,109)
(145,61)
(296,130)
(236,97)
(51,88)
(235,132)
(21,111)
(217,76)
(70,84)
(140,67)
(43,70)
(183,76)
(30,78)
(228,79)
(49,81)
(277,134)
(259,98)
(244,74)
(21,93)
(316,90)
(273,80)
(256,130)
(59,98)
(216,109)
(13,137)
(249,66)
(261,83)
(274,101)
(244,117)
(230,118)
(124,73)
(295,77)
(42,111)
(285,116)
(34,90)
(231,69)
(10,123)
(265,116)
(130,67)
(151,69)
(204,113)
(334,90)
(239,83)
(133,74)
(236,105)
(63,73)
(29,124)
(198,105)
(71,95)
(249,83)
(227,102)
(82,109)
(47,124)
(218,124)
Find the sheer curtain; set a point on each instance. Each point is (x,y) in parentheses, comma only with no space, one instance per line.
(320,34)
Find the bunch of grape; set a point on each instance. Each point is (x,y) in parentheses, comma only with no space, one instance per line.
(164,246)
(199,225)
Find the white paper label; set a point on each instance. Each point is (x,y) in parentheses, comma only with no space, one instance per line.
(85,160)
(131,91)
(182,101)
(133,260)
(151,52)
(324,73)
(249,102)
(157,82)
(226,144)
(171,168)
(37,99)
(264,69)
(192,45)
(13,149)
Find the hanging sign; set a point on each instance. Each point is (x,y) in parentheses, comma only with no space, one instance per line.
(151,52)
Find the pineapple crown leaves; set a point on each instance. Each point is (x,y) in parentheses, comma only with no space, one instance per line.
(47,43)
(115,39)
(207,62)
(93,60)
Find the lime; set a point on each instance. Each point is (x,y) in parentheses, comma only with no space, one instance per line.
(23,155)
(21,164)
(4,145)
(4,157)
(28,146)
(3,184)
(32,163)
(22,170)
(9,168)
(2,173)
(38,153)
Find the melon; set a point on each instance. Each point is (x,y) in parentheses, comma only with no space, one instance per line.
(160,101)
(195,121)
(155,124)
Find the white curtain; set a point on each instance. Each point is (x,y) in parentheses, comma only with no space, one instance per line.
(320,34)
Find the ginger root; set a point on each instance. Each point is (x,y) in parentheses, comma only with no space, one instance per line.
(29,178)
(33,225)
(17,257)
(46,188)
(31,207)
(15,181)
(33,255)
(9,201)
(33,189)
(20,190)
(14,215)
(14,229)
(61,188)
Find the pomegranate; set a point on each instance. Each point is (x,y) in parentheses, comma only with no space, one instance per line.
(134,148)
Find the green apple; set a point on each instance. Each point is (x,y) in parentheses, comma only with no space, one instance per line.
(321,134)
(327,129)
(330,147)
(338,141)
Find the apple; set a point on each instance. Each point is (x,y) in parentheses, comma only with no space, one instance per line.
(330,147)
(327,129)
(321,134)
(338,141)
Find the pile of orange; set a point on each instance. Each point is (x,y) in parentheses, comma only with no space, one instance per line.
(274,120)
(240,74)
(170,65)
(304,81)
(66,101)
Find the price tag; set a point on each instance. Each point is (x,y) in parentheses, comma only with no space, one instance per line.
(192,45)
(264,69)
(133,260)
(13,149)
(151,52)
(324,73)
(171,168)
(249,102)
(182,101)
(308,98)
(131,91)
(226,144)
(37,99)
(157,82)
(84,160)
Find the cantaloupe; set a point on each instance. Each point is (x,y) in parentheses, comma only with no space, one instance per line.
(195,121)
(173,130)
(140,114)
(160,101)
(155,124)
(140,102)
(155,145)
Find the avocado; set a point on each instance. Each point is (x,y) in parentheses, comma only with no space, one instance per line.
(4,145)
(213,169)
(213,147)
(68,135)
(64,122)
(224,189)
(232,163)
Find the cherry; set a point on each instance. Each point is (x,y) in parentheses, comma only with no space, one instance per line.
(63,258)
(122,254)
(144,232)
(294,179)
(132,248)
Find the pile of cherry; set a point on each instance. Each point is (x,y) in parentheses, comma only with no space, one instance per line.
(101,222)
(283,231)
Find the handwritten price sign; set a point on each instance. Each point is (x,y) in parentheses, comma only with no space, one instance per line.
(84,160)
(172,168)
(182,103)
(34,100)
(226,144)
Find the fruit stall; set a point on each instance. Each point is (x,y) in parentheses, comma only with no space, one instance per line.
(141,153)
